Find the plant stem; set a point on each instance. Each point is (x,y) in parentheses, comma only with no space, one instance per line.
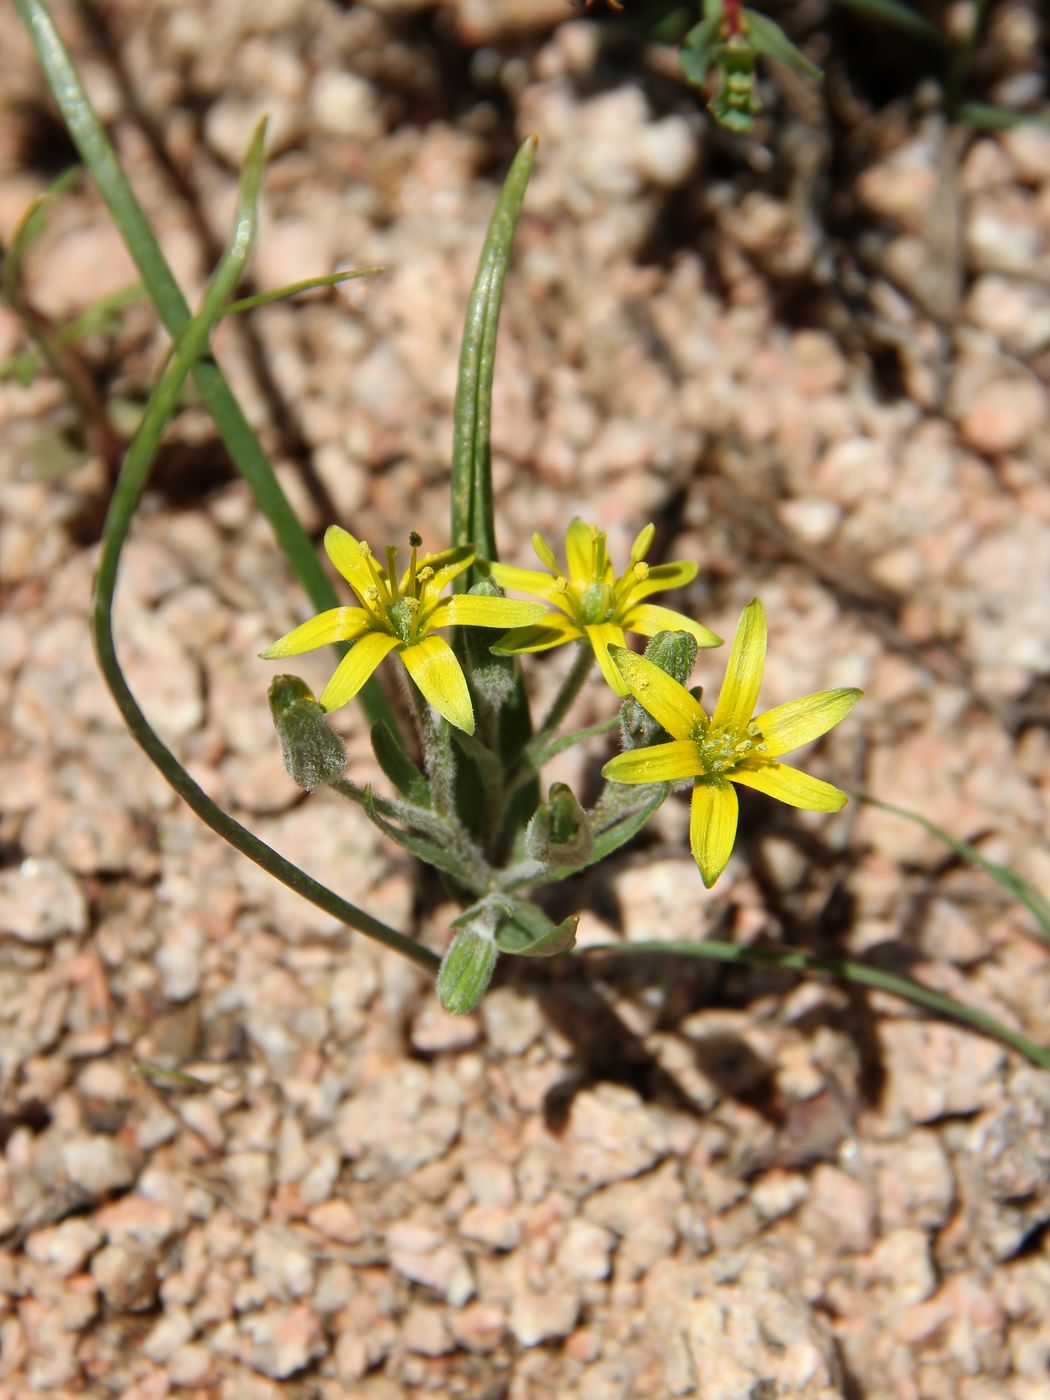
(794,959)
(190,346)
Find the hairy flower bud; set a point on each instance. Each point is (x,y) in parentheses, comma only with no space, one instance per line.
(675,654)
(467,967)
(559,833)
(312,751)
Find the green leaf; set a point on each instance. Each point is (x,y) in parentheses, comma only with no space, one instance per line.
(398,767)
(698,50)
(526,932)
(794,960)
(134,472)
(1014,884)
(987,116)
(768,39)
(100,158)
(329,279)
(900,16)
(472,516)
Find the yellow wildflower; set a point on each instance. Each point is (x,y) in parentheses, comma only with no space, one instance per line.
(401,615)
(592,602)
(731,746)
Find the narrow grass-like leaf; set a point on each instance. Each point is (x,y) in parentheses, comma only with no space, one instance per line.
(987,116)
(768,39)
(294,289)
(191,345)
(900,16)
(98,155)
(1014,884)
(795,960)
(398,767)
(472,515)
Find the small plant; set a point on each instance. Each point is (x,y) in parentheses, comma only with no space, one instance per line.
(472,806)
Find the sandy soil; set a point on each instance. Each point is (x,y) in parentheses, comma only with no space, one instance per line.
(817,361)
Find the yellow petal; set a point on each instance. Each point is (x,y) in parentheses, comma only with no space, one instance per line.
(524,581)
(580,539)
(348,556)
(553,631)
(545,554)
(335,625)
(800,721)
(662,577)
(660,695)
(447,565)
(747,660)
(642,542)
(788,785)
(712,826)
(602,636)
(660,763)
(355,668)
(472,610)
(648,619)
(439,677)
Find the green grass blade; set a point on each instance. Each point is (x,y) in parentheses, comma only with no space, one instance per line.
(98,155)
(472,517)
(900,16)
(191,344)
(794,960)
(1014,884)
(294,289)
(988,116)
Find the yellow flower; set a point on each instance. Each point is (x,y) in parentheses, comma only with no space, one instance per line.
(730,747)
(594,603)
(401,615)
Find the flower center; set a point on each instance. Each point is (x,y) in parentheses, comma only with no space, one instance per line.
(402,614)
(594,605)
(720,750)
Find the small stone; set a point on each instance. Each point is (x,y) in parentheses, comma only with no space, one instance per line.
(338,1221)
(63,1248)
(423,1330)
(479,1326)
(126,1278)
(584,1253)
(97,1165)
(190,1366)
(169,1335)
(1003,415)
(960,1071)
(343,104)
(179,960)
(41,901)
(543,1317)
(778,1193)
(512,1021)
(492,1225)
(444,1269)
(902,1260)
(282,1341)
(612,1135)
(434,1031)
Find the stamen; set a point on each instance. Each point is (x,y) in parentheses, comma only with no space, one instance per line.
(391,569)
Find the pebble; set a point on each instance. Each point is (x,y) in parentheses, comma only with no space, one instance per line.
(41,901)
(612,1135)
(280,1342)
(64,1248)
(97,1165)
(1003,415)
(127,1278)
(544,1317)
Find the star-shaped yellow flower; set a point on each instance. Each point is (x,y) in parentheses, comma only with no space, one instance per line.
(730,747)
(401,615)
(592,602)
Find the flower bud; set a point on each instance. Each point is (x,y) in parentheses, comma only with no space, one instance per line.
(559,832)
(312,751)
(674,653)
(467,967)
